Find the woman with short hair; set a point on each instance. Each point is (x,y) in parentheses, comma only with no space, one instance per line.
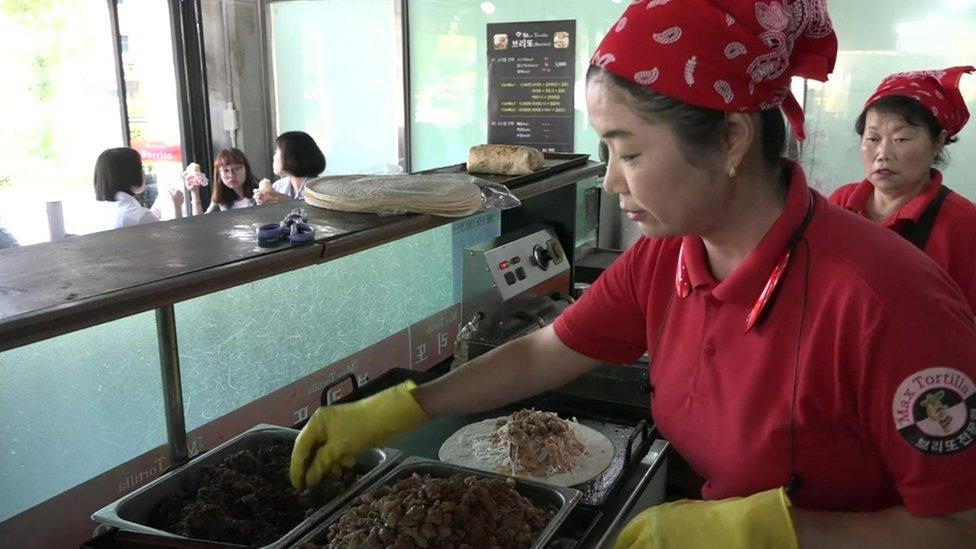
(118,178)
(905,127)
(297,159)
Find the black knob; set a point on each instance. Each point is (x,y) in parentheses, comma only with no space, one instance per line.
(541,257)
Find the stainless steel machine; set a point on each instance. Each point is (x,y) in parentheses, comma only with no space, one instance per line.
(511,285)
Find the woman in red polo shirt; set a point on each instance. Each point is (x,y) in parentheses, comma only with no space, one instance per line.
(785,355)
(904,128)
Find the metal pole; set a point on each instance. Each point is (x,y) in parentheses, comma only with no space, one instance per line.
(169,365)
(405,145)
(113,14)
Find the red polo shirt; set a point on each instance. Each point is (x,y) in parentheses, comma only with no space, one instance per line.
(952,243)
(876,334)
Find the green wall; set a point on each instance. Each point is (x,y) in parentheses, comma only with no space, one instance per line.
(448,69)
(335,66)
(878,38)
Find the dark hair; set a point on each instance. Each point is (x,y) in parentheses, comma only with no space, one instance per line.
(117,170)
(914,113)
(699,129)
(300,156)
(229,157)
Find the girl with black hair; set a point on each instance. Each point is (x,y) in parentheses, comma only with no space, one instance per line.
(118,178)
(297,159)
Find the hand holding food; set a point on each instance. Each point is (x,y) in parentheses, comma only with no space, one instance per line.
(264,193)
(760,520)
(193,177)
(336,434)
(176,195)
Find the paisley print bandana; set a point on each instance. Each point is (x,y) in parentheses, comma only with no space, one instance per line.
(732,55)
(937,91)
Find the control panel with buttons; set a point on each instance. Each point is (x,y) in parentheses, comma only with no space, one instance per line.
(519,261)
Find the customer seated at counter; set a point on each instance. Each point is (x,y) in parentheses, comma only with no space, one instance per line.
(118,178)
(234,183)
(297,159)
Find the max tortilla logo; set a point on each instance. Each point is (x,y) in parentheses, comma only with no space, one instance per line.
(935,410)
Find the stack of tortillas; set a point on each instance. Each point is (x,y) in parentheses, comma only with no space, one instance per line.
(449,195)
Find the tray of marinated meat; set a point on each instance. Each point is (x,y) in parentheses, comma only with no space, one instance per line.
(239,494)
(426,503)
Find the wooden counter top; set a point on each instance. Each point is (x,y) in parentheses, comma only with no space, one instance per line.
(58,287)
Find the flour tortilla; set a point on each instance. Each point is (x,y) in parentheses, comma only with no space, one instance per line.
(458,450)
(450,195)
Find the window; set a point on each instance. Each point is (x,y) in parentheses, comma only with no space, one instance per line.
(60,108)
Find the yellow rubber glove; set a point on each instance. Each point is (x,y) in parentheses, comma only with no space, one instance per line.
(760,520)
(336,434)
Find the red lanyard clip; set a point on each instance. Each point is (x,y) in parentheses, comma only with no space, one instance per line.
(682,284)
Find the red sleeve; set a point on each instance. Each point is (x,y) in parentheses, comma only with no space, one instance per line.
(917,402)
(608,322)
(959,246)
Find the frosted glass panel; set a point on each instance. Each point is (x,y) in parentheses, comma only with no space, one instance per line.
(240,344)
(336,66)
(877,38)
(74,406)
(448,69)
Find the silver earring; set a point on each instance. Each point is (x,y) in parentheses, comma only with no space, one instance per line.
(732,172)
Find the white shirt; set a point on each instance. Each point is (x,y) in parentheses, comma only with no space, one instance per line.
(129,212)
(236,205)
(284,187)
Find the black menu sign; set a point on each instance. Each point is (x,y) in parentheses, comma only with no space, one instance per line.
(531,71)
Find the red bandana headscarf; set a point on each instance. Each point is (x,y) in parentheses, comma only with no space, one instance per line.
(937,91)
(722,54)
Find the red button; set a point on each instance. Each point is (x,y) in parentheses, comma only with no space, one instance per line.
(503,265)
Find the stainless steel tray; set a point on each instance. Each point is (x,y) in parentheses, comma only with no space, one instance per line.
(134,511)
(539,494)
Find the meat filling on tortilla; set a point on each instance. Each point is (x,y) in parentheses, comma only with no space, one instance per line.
(534,443)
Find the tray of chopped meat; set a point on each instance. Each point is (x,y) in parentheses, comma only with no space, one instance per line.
(239,494)
(427,503)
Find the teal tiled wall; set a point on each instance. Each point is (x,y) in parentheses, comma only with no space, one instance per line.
(239,344)
(74,406)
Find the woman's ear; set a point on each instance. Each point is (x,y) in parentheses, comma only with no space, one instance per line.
(740,131)
(940,143)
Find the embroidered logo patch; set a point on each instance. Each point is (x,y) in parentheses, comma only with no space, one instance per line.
(935,410)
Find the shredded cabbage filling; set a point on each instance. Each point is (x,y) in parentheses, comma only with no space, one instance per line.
(539,444)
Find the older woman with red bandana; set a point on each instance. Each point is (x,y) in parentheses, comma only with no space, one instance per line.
(904,127)
(786,360)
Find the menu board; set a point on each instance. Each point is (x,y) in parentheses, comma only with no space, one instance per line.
(531,71)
